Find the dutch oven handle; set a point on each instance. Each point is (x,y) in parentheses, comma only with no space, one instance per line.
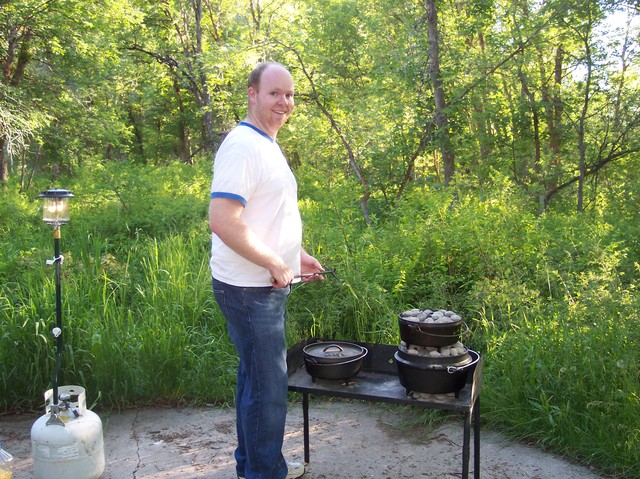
(326,349)
(462,333)
(455,369)
(333,346)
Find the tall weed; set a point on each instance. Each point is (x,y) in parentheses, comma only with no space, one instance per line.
(551,301)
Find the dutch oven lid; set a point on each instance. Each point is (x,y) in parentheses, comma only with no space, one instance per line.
(333,351)
(435,362)
(450,368)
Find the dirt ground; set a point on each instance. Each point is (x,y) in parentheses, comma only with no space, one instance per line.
(348,439)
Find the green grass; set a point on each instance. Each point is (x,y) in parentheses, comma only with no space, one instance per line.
(552,304)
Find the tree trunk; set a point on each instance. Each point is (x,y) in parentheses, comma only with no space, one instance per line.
(4,167)
(441,120)
(185,153)
(203,96)
(582,147)
(23,58)
(556,118)
(553,112)
(13,67)
(535,116)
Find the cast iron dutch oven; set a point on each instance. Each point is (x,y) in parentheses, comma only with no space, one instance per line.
(431,334)
(333,359)
(457,360)
(434,378)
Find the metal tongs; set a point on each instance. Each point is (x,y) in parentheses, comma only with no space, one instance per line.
(331,272)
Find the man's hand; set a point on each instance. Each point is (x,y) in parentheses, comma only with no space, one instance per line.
(308,266)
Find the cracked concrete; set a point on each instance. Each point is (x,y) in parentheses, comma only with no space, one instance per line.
(349,440)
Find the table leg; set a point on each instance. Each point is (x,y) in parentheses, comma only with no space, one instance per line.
(476,439)
(305,414)
(465,445)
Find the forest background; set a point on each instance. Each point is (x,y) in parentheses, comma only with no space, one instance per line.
(474,155)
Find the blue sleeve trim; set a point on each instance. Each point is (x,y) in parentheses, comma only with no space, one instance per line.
(230,196)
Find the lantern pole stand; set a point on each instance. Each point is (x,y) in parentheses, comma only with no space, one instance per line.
(56,213)
(57,331)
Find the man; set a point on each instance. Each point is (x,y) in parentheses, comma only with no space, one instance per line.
(256,254)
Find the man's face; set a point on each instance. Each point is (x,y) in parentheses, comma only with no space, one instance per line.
(271,103)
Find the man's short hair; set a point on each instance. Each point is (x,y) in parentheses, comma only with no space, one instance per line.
(256,73)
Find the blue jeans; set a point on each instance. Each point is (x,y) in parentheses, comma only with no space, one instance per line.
(256,324)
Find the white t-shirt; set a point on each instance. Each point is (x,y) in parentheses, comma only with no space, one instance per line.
(250,167)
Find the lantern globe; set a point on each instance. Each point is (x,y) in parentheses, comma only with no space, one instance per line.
(55,206)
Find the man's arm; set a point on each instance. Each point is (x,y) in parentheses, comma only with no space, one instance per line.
(225,222)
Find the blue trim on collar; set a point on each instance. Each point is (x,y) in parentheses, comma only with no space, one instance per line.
(244,123)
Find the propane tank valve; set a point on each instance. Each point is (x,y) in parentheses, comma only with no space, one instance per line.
(65,398)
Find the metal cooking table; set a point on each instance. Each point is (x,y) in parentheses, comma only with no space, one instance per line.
(378,381)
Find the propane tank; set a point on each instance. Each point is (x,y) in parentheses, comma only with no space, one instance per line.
(67,441)
(6,464)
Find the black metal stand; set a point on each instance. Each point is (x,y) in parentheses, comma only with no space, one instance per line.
(57,260)
(378,381)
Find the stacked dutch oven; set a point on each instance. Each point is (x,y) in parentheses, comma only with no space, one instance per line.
(430,358)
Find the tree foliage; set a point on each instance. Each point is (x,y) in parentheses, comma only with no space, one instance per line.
(541,93)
